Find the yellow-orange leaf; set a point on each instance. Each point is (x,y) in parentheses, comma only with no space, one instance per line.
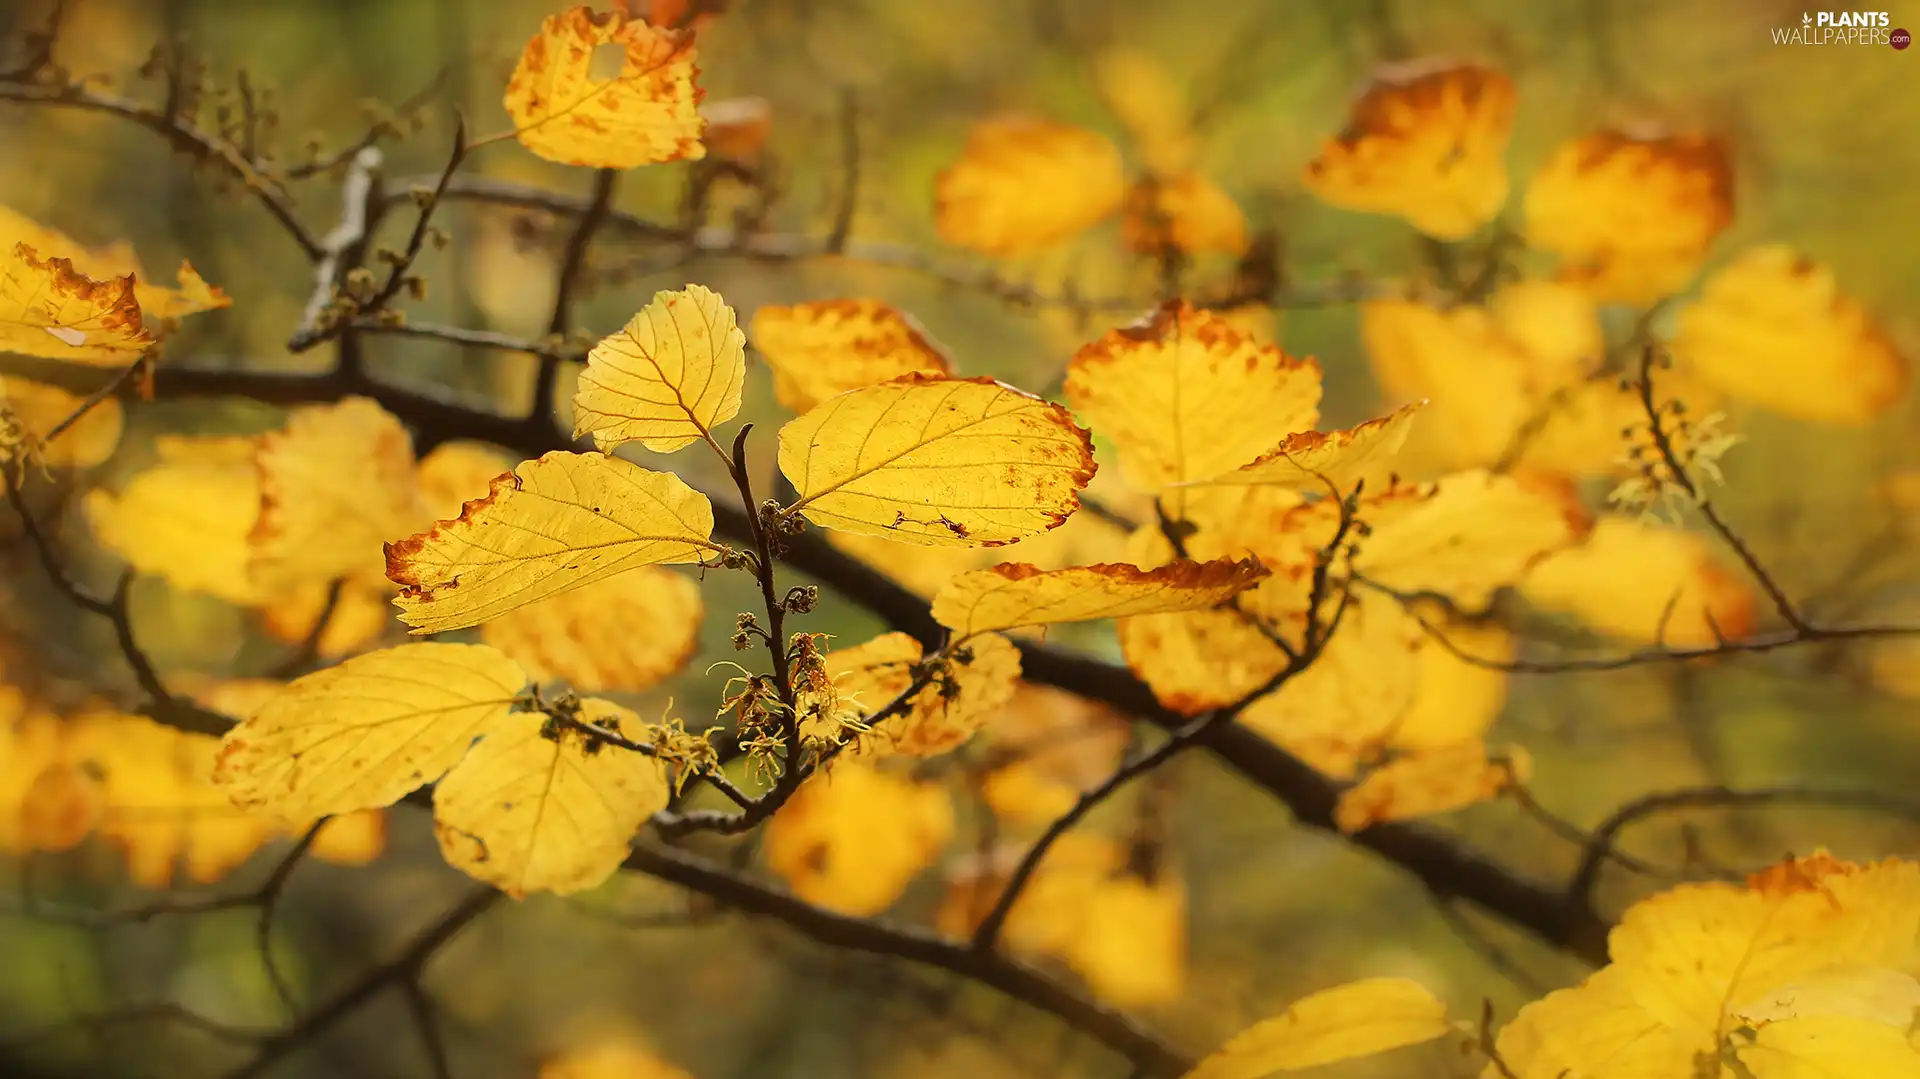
(188,517)
(40,408)
(1196,660)
(1773,328)
(364,734)
(336,483)
(1423,784)
(454,472)
(1013,594)
(648,113)
(1475,377)
(1149,101)
(825,348)
(1186,212)
(159,306)
(867,677)
(1631,215)
(48,308)
(666,380)
(628,632)
(1022,185)
(944,462)
(1358,1019)
(527,813)
(1423,143)
(1318,461)
(553,525)
(1465,537)
(1648,583)
(1185,395)
(851,839)
(1456,700)
(611,1059)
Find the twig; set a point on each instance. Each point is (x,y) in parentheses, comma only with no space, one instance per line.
(573,263)
(358,213)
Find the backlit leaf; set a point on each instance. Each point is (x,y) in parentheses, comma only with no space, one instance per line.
(550,526)
(1022,185)
(40,407)
(1196,660)
(1358,1019)
(871,675)
(336,483)
(187,518)
(822,349)
(1427,143)
(159,305)
(1772,327)
(628,632)
(1186,396)
(615,1058)
(1316,461)
(1186,212)
(48,308)
(1013,594)
(1647,583)
(533,814)
(851,839)
(944,462)
(667,379)
(1423,784)
(647,113)
(367,732)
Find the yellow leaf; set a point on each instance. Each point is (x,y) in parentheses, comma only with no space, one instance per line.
(1358,1019)
(1052,746)
(825,348)
(666,380)
(550,526)
(364,734)
(352,839)
(1316,461)
(1151,104)
(188,517)
(851,839)
(40,408)
(1631,215)
(628,632)
(1687,965)
(1131,946)
(1465,537)
(944,462)
(1473,375)
(610,1059)
(1185,396)
(920,569)
(1895,667)
(1556,325)
(1772,327)
(1430,782)
(1875,994)
(361,616)
(48,308)
(1022,185)
(1424,143)
(1456,700)
(336,483)
(158,305)
(1186,211)
(527,813)
(1197,660)
(1647,583)
(1013,594)
(869,676)
(646,114)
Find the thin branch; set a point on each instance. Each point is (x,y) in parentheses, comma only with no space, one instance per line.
(573,265)
(307,651)
(850,173)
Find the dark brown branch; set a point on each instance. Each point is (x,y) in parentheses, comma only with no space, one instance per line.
(573,268)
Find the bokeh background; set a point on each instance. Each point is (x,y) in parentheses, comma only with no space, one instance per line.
(1823,162)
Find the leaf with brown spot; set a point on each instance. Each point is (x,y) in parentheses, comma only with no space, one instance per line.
(646,114)
(1012,595)
(666,380)
(825,348)
(1186,396)
(550,526)
(1317,460)
(1432,781)
(943,462)
(48,308)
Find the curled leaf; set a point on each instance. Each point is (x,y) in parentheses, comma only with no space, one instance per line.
(48,308)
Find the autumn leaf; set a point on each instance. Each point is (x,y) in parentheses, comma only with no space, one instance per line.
(367,732)
(552,525)
(1358,1019)
(187,519)
(1185,211)
(1014,594)
(1648,583)
(869,676)
(667,379)
(1186,396)
(1423,784)
(159,306)
(1785,976)
(48,308)
(1455,700)
(1475,377)
(1772,327)
(530,813)
(825,348)
(1426,143)
(359,616)
(1329,461)
(852,838)
(944,462)
(40,408)
(336,483)
(1023,185)
(1151,105)
(1049,747)
(920,569)
(628,632)
(646,114)
(455,471)
(1631,215)
(737,128)
(613,1058)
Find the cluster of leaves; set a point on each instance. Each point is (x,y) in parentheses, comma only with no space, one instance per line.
(1334,591)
